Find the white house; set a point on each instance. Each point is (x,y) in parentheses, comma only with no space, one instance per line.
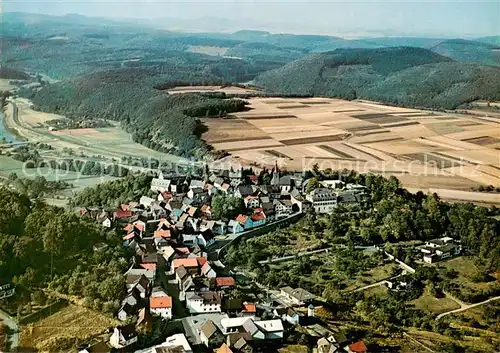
(203,302)
(123,336)
(272,329)
(323,200)
(208,271)
(283,208)
(146,201)
(161,306)
(106,222)
(178,340)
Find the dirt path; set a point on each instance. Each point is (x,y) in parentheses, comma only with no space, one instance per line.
(466,307)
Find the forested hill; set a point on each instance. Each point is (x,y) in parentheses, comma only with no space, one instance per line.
(469,51)
(156,119)
(401,75)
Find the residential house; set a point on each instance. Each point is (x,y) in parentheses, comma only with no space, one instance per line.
(140,284)
(210,335)
(123,336)
(130,305)
(203,302)
(297,296)
(144,320)
(234,227)
(224,282)
(272,329)
(205,238)
(249,309)
(190,264)
(194,184)
(207,271)
(175,341)
(251,201)
(224,348)
(356,347)
(241,342)
(161,306)
(243,191)
(258,218)
(245,221)
(293,317)
(327,346)
(185,281)
(282,207)
(285,184)
(439,249)
(323,200)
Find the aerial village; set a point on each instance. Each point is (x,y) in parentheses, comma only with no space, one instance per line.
(180,278)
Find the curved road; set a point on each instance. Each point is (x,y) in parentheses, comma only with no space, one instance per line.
(466,307)
(11,323)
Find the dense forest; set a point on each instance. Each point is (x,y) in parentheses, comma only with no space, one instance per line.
(402,76)
(45,248)
(156,119)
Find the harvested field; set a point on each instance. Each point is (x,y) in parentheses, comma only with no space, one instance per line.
(365,136)
(226,89)
(309,140)
(69,324)
(483,140)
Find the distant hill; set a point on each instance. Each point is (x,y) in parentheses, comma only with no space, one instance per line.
(11,74)
(401,75)
(469,51)
(491,40)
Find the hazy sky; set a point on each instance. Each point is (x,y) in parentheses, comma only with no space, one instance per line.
(350,18)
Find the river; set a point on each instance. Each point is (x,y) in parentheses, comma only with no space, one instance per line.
(4,133)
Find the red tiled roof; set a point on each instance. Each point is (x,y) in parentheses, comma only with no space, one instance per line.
(162,234)
(258,216)
(358,347)
(249,308)
(160,302)
(241,218)
(253,177)
(124,207)
(183,250)
(201,260)
(224,281)
(148,266)
(166,195)
(122,214)
(189,262)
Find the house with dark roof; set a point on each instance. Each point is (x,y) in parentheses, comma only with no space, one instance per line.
(123,336)
(210,335)
(297,296)
(203,302)
(439,249)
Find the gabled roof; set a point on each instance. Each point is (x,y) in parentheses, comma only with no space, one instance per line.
(160,302)
(224,281)
(181,272)
(208,329)
(358,347)
(201,260)
(224,349)
(249,308)
(241,219)
(270,325)
(189,262)
(162,233)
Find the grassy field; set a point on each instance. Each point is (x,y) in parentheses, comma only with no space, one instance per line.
(61,330)
(429,303)
(424,149)
(466,271)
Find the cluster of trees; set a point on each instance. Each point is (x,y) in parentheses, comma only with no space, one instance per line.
(40,244)
(78,123)
(32,159)
(115,192)
(400,76)
(226,206)
(37,187)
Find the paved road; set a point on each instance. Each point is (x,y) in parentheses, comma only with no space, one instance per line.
(13,326)
(466,307)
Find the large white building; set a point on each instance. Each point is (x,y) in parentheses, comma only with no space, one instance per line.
(324,200)
(160,184)
(161,306)
(203,302)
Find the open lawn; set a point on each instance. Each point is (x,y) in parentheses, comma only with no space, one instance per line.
(429,303)
(60,331)
(436,151)
(466,270)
